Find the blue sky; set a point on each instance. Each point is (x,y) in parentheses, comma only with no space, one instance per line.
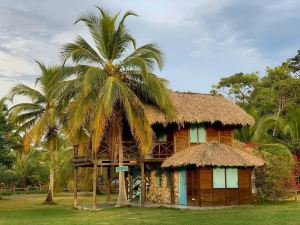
(203,40)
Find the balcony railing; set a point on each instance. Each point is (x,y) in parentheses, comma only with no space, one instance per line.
(160,150)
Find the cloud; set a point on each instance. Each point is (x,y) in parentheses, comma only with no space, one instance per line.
(202,40)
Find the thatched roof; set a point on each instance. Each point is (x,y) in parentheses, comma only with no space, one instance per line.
(213,154)
(199,108)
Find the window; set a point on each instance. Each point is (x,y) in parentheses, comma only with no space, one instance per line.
(158,177)
(161,135)
(197,133)
(231,178)
(219,178)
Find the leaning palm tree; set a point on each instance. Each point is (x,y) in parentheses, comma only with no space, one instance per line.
(38,119)
(114,80)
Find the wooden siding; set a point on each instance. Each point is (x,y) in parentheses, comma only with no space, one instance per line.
(245,193)
(182,139)
(219,134)
(201,193)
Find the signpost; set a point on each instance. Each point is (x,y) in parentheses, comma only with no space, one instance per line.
(121,169)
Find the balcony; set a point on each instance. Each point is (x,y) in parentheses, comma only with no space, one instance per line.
(160,151)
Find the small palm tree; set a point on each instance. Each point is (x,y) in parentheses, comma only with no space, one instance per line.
(114,80)
(39,119)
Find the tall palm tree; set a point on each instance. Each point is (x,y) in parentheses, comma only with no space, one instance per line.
(114,80)
(39,118)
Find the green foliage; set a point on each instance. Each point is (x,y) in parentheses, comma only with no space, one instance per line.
(8,177)
(275,180)
(8,141)
(237,87)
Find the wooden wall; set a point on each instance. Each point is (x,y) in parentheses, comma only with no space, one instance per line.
(182,139)
(219,134)
(201,193)
(213,133)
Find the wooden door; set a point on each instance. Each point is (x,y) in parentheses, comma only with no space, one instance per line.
(205,186)
(182,186)
(245,192)
(193,186)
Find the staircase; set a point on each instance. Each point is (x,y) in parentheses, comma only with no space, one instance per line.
(137,181)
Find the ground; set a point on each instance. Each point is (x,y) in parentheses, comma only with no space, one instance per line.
(28,209)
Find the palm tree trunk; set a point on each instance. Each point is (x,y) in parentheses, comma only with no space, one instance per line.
(116,147)
(49,198)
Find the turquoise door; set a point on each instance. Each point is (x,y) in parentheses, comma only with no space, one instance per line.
(182,187)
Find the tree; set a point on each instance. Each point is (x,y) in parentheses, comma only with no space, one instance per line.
(276,91)
(39,119)
(294,63)
(237,87)
(8,141)
(112,85)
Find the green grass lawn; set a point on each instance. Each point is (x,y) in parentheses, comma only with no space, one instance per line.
(28,209)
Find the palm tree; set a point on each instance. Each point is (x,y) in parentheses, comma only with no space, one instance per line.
(114,80)
(39,119)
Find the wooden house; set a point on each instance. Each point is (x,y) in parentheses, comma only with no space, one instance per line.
(193,160)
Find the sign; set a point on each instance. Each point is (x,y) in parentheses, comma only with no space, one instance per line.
(121,169)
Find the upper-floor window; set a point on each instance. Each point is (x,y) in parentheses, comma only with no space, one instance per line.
(197,133)
(161,135)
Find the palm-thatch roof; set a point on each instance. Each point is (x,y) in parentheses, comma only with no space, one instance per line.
(213,154)
(199,108)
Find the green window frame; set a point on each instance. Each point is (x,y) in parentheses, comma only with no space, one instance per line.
(158,177)
(225,178)
(197,133)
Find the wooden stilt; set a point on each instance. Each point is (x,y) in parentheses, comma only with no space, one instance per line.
(95,185)
(130,186)
(143,183)
(108,185)
(75,186)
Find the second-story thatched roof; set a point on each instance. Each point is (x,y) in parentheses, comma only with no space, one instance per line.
(213,154)
(199,108)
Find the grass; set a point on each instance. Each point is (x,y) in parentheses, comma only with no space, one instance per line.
(28,209)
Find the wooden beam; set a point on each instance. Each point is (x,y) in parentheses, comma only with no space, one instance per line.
(75,186)
(95,185)
(108,184)
(143,183)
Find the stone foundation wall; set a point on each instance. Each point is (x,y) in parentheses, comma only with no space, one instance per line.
(161,194)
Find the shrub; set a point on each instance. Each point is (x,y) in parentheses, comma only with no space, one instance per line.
(275,180)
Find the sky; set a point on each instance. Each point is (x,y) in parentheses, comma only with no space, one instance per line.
(203,40)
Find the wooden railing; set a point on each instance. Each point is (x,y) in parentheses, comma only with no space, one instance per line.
(131,152)
(163,150)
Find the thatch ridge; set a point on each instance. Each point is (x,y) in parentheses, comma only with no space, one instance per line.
(213,154)
(200,108)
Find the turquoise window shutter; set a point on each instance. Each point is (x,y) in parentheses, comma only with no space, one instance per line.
(232,178)
(158,177)
(202,134)
(218,178)
(193,133)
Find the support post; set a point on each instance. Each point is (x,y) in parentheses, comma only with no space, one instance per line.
(143,183)
(131,186)
(108,184)
(95,185)
(75,186)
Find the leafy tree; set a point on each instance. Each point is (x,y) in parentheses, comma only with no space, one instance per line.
(39,119)
(113,81)
(276,91)
(294,63)
(237,87)
(8,141)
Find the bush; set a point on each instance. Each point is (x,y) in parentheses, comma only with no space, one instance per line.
(8,177)
(275,180)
